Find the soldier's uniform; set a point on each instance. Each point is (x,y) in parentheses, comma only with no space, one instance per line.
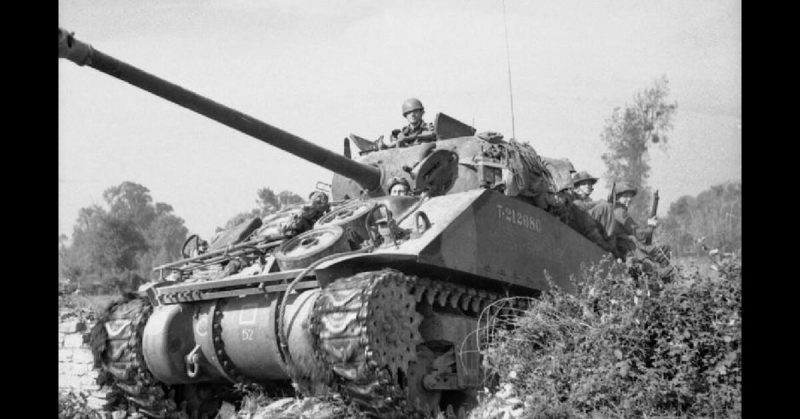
(410,135)
(317,206)
(413,134)
(582,221)
(583,201)
(563,205)
(628,238)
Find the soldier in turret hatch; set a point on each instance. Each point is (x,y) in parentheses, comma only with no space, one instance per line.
(417,131)
(399,187)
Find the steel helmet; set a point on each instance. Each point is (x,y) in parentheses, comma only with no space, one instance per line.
(318,197)
(623,187)
(412,104)
(583,177)
(399,180)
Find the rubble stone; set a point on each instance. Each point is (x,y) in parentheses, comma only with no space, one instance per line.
(82,356)
(72,326)
(64,355)
(68,380)
(73,341)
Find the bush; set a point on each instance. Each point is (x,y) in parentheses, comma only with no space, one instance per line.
(72,405)
(618,349)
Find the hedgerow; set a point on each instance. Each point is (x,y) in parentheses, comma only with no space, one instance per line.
(621,347)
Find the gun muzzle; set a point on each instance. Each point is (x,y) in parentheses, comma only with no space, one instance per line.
(70,48)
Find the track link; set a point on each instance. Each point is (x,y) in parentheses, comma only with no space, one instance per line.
(366,329)
(116,342)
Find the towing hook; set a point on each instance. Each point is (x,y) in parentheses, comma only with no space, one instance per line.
(193,362)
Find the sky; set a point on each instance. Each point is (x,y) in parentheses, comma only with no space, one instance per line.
(323,69)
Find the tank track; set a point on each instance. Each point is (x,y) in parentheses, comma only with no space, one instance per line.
(366,330)
(116,342)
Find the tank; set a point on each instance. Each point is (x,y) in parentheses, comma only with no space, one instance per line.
(378,301)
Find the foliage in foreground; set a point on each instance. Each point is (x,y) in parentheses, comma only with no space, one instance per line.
(72,405)
(616,349)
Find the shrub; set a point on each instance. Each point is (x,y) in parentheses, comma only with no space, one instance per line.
(72,405)
(621,349)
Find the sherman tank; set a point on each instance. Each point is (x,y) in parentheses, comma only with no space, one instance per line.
(379,301)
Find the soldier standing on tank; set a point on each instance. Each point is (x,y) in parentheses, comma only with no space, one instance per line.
(417,131)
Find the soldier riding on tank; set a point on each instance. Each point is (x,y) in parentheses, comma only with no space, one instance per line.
(582,188)
(317,205)
(631,241)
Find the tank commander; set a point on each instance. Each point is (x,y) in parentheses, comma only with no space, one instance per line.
(417,131)
(582,188)
(312,211)
(399,187)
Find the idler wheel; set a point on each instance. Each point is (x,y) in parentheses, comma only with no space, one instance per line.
(302,250)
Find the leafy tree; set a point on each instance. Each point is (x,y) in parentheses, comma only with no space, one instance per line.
(131,201)
(629,133)
(288,198)
(166,236)
(119,246)
(713,219)
(102,246)
(268,202)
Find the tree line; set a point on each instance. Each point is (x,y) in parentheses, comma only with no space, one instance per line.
(114,247)
(710,220)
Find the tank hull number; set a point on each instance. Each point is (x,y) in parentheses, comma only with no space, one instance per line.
(513,216)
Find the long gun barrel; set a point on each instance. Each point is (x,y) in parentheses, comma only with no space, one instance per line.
(369,177)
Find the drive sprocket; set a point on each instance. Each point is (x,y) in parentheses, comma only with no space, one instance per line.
(367,330)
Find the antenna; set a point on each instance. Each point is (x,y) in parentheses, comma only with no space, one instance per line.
(508,62)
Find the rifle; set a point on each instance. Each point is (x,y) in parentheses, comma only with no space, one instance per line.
(653,210)
(654,207)
(612,197)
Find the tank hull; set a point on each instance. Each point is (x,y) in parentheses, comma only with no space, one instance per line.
(484,237)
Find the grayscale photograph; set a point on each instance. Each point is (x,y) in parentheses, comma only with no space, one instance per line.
(471,209)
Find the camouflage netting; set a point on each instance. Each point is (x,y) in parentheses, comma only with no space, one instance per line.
(529,174)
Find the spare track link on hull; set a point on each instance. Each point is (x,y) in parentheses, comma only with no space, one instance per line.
(367,330)
(117,343)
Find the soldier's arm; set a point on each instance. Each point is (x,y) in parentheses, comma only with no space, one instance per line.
(603,213)
(645,235)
